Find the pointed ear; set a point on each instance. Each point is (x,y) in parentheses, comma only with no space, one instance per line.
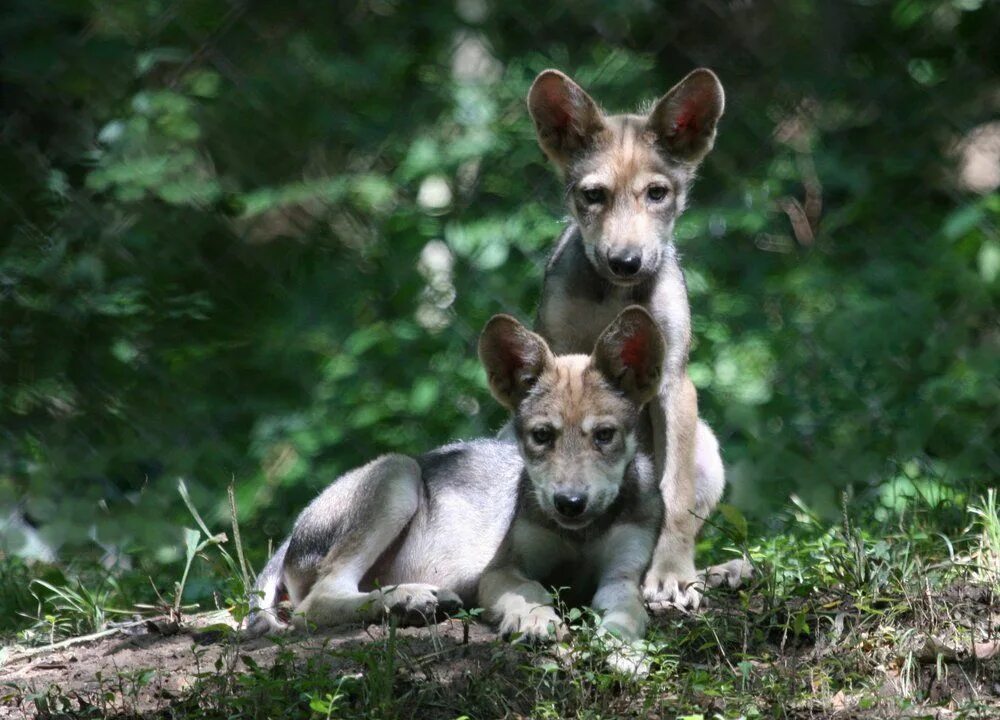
(684,119)
(630,353)
(514,357)
(566,118)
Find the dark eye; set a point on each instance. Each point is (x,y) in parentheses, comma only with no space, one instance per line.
(594,196)
(542,435)
(656,193)
(604,435)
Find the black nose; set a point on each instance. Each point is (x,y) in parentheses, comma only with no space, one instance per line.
(626,264)
(570,505)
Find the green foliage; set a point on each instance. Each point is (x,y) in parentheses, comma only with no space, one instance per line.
(258,242)
(16,599)
(75,609)
(878,624)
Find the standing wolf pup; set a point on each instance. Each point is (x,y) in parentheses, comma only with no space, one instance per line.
(419,536)
(627,180)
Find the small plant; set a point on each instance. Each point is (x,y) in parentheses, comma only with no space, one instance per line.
(986,554)
(75,608)
(467,617)
(330,702)
(16,598)
(197,541)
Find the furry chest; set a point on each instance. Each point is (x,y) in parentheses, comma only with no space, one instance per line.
(573,324)
(557,559)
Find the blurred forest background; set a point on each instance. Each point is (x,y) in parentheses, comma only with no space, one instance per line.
(255,243)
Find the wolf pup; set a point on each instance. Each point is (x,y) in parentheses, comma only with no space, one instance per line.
(589,507)
(419,536)
(627,180)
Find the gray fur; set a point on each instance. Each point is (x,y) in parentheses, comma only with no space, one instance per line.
(627,181)
(578,303)
(588,410)
(638,502)
(395,535)
(418,536)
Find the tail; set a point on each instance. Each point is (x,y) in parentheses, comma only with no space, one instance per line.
(268,593)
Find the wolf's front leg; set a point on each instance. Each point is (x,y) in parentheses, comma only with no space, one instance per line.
(672,580)
(622,611)
(519,605)
(624,554)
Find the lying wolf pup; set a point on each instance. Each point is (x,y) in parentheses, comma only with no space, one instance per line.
(572,502)
(627,180)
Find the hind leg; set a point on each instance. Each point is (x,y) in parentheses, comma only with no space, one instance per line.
(711,482)
(413,603)
(663,590)
(339,537)
(710,474)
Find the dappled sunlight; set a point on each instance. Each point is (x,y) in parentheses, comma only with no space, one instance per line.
(253,245)
(979,159)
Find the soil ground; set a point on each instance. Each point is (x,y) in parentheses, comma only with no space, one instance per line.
(931,656)
(119,661)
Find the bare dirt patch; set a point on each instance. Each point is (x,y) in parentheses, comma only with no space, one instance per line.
(823,654)
(140,672)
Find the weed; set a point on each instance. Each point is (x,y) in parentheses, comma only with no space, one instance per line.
(986,550)
(75,608)
(196,541)
(862,618)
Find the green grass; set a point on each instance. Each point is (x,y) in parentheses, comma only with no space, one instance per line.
(43,604)
(859,618)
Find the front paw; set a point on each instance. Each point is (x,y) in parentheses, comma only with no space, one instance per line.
(541,624)
(420,604)
(629,660)
(733,573)
(627,654)
(665,591)
(267,622)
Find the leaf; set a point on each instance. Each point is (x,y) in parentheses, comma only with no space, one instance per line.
(203,83)
(989,261)
(146,61)
(800,623)
(736,520)
(424,394)
(186,497)
(961,221)
(191,544)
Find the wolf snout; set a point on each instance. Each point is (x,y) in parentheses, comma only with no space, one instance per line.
(570,504)
(625,264)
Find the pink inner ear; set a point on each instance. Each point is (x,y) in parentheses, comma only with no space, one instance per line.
(690,118)
(556,104)
(510,356)
(634,352)
(687,123)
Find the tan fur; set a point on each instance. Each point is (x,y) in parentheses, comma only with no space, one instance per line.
(493,519)
(627,179)
(576,422)
(574,390)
